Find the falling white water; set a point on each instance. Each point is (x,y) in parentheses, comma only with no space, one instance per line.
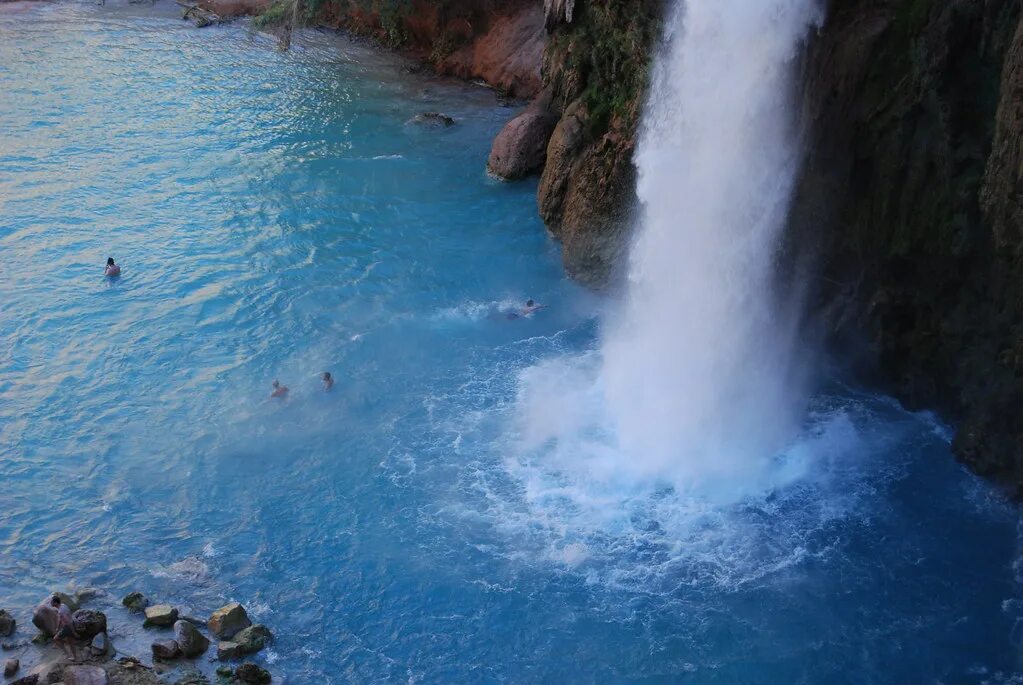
(699,368)
(699,377)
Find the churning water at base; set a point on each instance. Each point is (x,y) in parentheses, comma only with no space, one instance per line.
(427,521)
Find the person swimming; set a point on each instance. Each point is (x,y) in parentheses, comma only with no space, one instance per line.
(531,307)
(279,390)
(328,380)
(112,269)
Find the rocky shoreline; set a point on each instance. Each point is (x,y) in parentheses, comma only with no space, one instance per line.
(182,649)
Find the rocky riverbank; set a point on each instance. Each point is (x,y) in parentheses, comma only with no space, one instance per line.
(182,649)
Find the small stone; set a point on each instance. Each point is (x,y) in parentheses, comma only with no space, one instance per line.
(7,624)
(229,650)
(135,601)
(160,615)
(251,673)
(85,675)
(100,645)
(192,642)
(32,679)
(88,623)
(166,649)
(228,620)
(8,646)
(11,667)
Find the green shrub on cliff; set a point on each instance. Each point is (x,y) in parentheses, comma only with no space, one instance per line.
(604,57)
(278,14)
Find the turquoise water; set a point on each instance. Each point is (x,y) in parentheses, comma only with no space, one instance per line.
(276,216)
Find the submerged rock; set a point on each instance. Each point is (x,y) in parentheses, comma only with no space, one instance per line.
(160,615)
(251,673)
(253,638)
(7,624)
(32,679)
(166,649)
(135,601)
(85,675)
(227,650)
(11,667)
(432,120)
(192,678)
(190,640)
(88,593)
(88,624)
(228,620)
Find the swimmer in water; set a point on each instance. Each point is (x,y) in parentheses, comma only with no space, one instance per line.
(328,380)
(279,390)
(112,269)
(531,307)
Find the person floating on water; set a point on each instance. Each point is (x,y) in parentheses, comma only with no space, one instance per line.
(279,390)
(65,635)
(328,380)
(112,269)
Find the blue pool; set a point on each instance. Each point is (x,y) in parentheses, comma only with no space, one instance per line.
(276,215)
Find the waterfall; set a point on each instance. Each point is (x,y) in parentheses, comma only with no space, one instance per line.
(701,370)
(699,380)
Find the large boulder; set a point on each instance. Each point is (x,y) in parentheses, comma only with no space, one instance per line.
(251,673)
(7,624)
(228,620)
(520,148)
(87,623)
(160,615)
(253,638)
(85,675)
(135,601)
(192,642)
(166,650)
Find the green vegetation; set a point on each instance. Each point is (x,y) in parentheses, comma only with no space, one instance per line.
(605,58)
(278,14)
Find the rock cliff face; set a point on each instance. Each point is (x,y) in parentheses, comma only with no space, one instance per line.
(912,196)
(595,69)
(500,42)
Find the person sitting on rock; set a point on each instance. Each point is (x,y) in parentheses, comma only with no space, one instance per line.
(65,635)
(328,380)
(279,390)
(112,269)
